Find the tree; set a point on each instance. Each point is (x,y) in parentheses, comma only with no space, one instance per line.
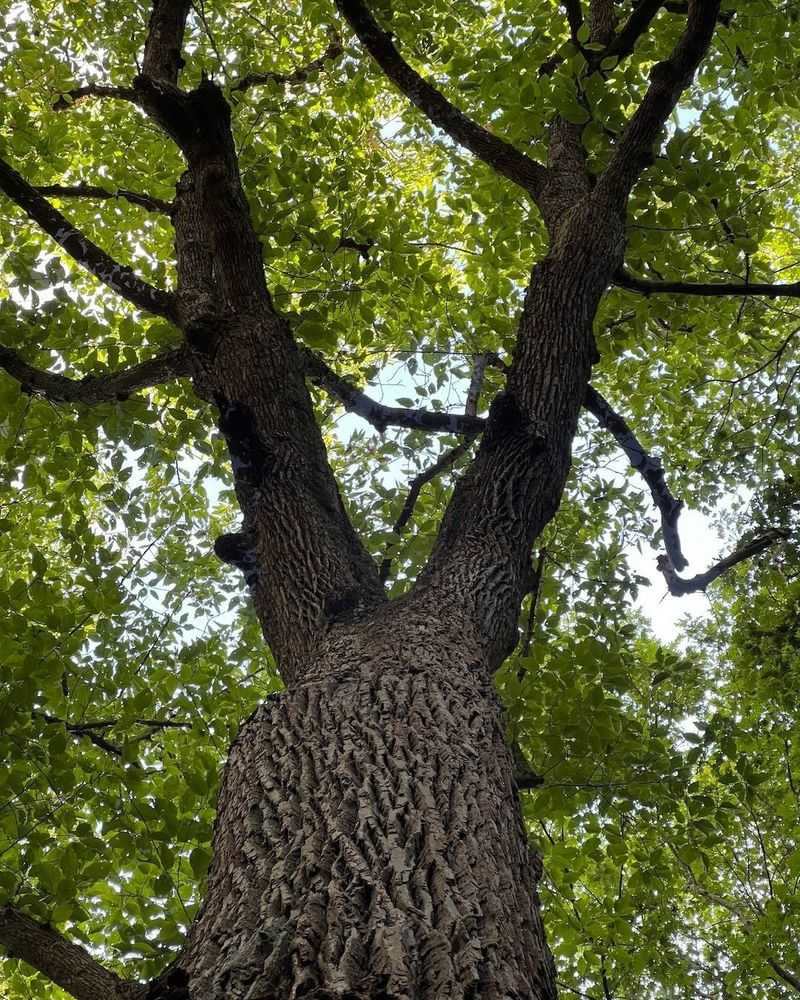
(368,837)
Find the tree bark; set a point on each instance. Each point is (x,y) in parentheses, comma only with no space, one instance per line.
(368,841)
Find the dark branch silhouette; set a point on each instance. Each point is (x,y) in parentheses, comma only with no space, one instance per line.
(118,277)
(445,461)
(678,586)
(299,75)
(496,152)
(71,97)
(380,415)
(668,80)
(648,466)
(94,389)
(84,190)
(623,279)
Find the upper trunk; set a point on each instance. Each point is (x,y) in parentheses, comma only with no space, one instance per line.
(369,842)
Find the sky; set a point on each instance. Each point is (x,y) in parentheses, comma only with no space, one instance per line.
(700,540)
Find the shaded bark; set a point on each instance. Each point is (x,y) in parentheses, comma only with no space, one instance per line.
(368,841)
(67,964)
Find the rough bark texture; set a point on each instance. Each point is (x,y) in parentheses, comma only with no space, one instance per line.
(67,964)
(368,842)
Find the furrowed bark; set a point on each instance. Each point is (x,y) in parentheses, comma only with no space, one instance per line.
(300,556)
(67,964)
(162,58)
(479,569)
(368,843)
(602,20)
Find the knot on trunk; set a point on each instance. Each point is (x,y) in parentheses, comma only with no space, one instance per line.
(249,458)
(508,423)
(238,549)
(173,984)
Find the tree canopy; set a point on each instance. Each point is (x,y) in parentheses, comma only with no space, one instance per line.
(662,781)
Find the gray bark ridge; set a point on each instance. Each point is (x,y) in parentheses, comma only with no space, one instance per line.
(368,841)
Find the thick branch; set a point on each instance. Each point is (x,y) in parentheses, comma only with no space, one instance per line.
(637,24)
(67,964)
(650,468)
(601,20)
(162,50)
(678,587)
(712,288)
(496,152)
(94,389)
(118,277)
(70,97)
(668,80)
(84,190)
(380,415)
(299,75)
(787,976)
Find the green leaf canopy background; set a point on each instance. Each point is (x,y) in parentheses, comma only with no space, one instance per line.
(668,812)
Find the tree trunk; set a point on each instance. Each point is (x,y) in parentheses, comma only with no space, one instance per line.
(369,842)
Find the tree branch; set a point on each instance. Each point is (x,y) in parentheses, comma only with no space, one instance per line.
(650,468)
(628,281)
(89,730)
(668,80)
(65,963)
(118,277)
(496,152)
(787,976)
(299,75)
(574,17)
(93,389)
(535,590)
(624,42)
(380,415)
(84,190)
(71,97)
(445,460)
(162,58)
(602,21)
(678,586)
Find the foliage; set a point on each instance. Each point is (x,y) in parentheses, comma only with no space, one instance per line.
(669,816)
